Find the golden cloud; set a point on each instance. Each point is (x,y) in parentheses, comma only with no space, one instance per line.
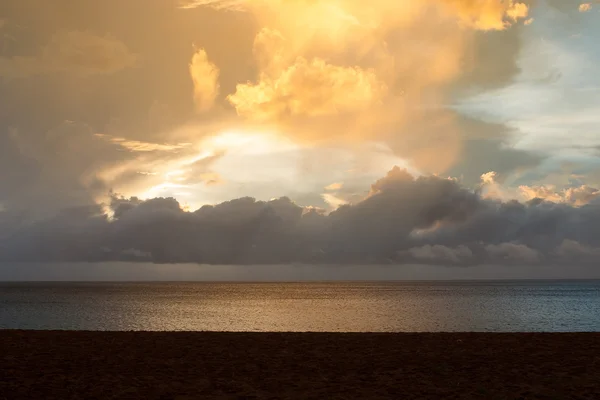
(205,76)
(139,146)
(334,186)
(576,196)
(311,88)
(478,14)
(488,14)
(356,70)
(218,4)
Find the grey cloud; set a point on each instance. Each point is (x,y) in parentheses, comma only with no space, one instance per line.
(487,147)
(17,168)
(427,220)
(574,252)
(493,59)
(513,253)
(481,156)
(56,167)
(43,172)
(441,254)
(473,146)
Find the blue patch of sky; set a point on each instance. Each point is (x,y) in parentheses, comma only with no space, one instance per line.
(555,101)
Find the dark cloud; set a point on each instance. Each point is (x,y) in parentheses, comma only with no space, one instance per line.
(492,60)
(440,254)
(427,220)
(17,168)
(447,142)
(486,146)
(481,156)
(43,172)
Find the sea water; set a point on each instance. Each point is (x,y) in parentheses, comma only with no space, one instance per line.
(494,306)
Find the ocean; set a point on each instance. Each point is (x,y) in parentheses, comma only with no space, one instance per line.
(483,306)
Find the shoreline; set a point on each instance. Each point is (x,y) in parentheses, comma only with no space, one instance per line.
(188,365)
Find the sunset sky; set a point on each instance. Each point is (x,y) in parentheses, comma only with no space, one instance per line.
(120,118)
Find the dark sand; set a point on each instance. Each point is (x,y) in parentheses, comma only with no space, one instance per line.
(89,365)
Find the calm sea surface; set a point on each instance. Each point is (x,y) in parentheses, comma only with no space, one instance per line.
(362,306)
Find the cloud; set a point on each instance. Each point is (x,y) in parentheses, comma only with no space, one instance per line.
(488,147)
(76,52)
(577,196)
(485,15)
(334,186)
(427,220)
(139,146)
(399,61)
(585,7)
(574,252)
(311,88)
(58,166)
(205,76)
(200,170)
(316,71)
(328,70)
(71,166)
(333,201)
(512,252)
(489,14)
(236,5)
(441,254)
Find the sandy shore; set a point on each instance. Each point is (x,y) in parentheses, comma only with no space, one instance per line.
(148,365)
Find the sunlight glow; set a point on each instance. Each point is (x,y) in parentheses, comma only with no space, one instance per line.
(222,145)
(155,191)
(250,143)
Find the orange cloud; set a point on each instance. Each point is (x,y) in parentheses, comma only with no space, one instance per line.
(218,4)
(576,196)
(311,88)
(355,70)
(139,146)
(334,186)
(488,14)
(205,76)
(479,14)
(585,7)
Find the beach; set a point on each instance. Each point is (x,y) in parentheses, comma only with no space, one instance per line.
(189,365)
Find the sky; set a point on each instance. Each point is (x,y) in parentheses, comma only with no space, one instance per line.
(438,132)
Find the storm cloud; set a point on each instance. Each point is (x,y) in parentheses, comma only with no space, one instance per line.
(424,220)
